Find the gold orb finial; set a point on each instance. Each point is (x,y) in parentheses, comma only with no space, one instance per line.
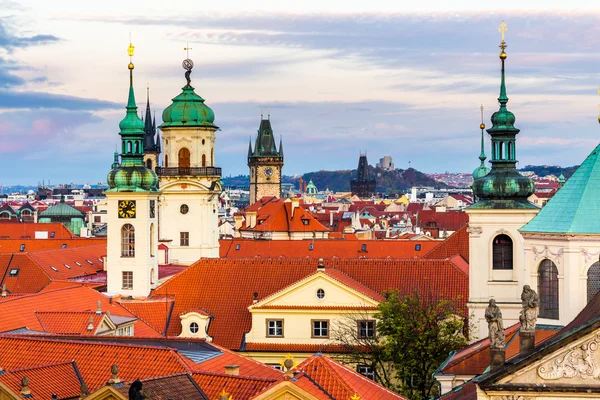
(503,55)
(482,126)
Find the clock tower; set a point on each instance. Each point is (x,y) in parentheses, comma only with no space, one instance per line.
(265,163)
(132,196)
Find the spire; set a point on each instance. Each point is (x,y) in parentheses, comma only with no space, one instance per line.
(148,125)
(250,146)
(482,156)
(280,146)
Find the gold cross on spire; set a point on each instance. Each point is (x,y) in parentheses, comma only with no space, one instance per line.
(187,48)
(502,29)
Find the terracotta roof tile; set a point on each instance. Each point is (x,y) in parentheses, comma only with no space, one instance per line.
(20,230)
(70,263)
(94,359)
(45,380)
(21,274)
(238,387)
(350,247)
(457,243)
(155,312)
(32,245)
(70,322)
(277,215)
(225,287)
(172,387)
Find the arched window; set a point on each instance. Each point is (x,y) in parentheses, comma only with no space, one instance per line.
(510,151)
(593,281)
(152,276)
(212,157)
(184,158)
(166,161)
(149,163)
(128,146)
(548,289)
(152,242)
(204,160)
(137,147)
(127,241)
(500,150)
(503,252)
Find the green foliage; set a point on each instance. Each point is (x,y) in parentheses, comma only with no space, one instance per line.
(418,331)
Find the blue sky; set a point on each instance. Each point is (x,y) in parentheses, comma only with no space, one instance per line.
(389,78)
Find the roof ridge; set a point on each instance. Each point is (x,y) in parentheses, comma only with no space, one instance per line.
(355,280)
(323,361)
(226,375)
(19,297)
(88,341)
(12,371)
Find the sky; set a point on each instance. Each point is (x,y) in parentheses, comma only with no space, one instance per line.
(338,78)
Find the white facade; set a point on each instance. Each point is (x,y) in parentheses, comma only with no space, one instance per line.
(143,265)
(189,202)
(485,283)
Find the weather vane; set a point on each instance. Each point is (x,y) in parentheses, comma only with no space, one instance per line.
(187,64)
(130,50)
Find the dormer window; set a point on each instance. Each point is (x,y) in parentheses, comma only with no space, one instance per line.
(237,246)
(67,266)
(78,264)
(64,246)
(305,221)
(53,268)
(22,248)
(417,247)
(52,234)
(194,328)
(13,272)
(363,247)
(89,262)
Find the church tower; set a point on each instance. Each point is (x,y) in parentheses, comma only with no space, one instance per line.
(131,261)
(189,180)
(265,163)
(151,140)
(496,249)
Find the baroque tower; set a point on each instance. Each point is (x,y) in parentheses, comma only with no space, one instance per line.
(265,163)
(189,180)
(131,262)
(151,140)
(496,249)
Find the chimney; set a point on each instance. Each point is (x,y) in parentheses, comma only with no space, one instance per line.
(4,292)
(321,265)
(232,369)
(99,308)
(295,204)
(250,219)
(255,299)
(25,386)
(91,324)
(239,219)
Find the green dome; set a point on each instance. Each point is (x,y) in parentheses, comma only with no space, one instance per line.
(61,209)
(132,179)
(503,120)
(503,184)
(480,172)
(188,109)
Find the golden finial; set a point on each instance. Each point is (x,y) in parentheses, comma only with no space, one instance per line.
(482,125)
(225,395)
(502,30)
(130,50)
(288,362)
(355,397)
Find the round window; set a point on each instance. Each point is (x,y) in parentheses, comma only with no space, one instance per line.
(184,209)
(194,328)
(320,294)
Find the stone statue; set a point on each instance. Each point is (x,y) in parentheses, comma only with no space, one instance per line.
(531,303)
(493,316)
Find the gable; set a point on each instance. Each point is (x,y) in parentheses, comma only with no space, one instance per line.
(304,292)
(572,365)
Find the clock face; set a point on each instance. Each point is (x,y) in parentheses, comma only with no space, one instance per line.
(126,208)
(269,171)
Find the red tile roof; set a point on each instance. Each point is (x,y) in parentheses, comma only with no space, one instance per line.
(155,312)
(31,245)
(61,379)
(278,215)
(339,381)
(325,248)
(70,263)
(457,243)
(296,348)
(171,387)
(225,287)
(69,322)
(468,391)
(19,231)
(21,274)
(20,312)
(94,359)
(238,387)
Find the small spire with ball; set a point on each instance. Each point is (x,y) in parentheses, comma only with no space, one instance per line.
(188,64)
(130,51)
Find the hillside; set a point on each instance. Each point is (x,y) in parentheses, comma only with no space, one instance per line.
(339,181)
(556,170)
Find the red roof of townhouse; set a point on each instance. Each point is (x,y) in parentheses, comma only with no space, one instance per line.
(52,230)
(45,380)
(31,312)
(455,244)
(31,245)
(224,287)
(279,215)
(325,248)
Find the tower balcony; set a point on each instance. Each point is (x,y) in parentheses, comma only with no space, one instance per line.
(188,171)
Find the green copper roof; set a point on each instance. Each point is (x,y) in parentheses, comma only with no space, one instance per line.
(482,170)
(61,209)
(575,207)
(188,109)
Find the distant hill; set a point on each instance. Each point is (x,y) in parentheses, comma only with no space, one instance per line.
(339,181)
(556,170)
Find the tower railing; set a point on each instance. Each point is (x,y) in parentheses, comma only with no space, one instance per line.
(188,171)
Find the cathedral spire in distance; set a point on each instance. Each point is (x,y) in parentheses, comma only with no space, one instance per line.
(482,170)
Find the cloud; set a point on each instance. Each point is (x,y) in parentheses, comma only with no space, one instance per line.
(35,100)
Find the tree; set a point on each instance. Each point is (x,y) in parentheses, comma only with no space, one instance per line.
(417,333)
